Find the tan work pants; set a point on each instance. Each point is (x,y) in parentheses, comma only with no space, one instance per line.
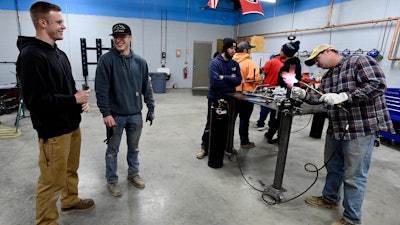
(58,163)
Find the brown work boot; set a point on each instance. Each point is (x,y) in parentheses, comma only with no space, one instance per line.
(320,202)
(82,206)
(114,189)
(248,145)
(137,181)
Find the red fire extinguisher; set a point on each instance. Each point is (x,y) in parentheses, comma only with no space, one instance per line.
(185,72)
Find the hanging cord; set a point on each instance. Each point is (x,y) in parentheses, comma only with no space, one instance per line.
(163,45)
(384,35)
(165,37)
(18,18)
(187,31)
(294,9)
(292,37)
(161,37)
(314,169)
(143,33)
(305,126)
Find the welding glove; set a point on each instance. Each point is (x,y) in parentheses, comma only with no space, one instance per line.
(333,98)
(150,116)
(298,92)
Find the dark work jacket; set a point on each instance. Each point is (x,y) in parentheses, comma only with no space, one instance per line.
(48,87)
(219,88)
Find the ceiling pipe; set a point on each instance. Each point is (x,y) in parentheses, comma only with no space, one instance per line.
(341,25)
(323,28)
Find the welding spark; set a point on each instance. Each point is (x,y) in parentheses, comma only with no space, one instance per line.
(290,78)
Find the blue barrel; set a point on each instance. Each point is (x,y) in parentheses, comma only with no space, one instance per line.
(159,82)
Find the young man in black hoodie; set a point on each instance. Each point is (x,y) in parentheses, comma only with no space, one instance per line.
(55,107)
(225,76)
(287,53)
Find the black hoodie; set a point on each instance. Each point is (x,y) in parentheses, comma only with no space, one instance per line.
(286,67)
(48,87)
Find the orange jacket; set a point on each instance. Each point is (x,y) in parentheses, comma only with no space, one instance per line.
(250,72)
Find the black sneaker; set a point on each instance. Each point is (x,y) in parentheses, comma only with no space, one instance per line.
(272,141)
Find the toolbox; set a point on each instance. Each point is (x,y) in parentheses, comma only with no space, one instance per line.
(392,96)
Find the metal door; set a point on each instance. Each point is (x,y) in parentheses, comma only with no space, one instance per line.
(201,58)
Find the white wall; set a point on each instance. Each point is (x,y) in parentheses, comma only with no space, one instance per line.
(365,37)
(147,37)
(146,42)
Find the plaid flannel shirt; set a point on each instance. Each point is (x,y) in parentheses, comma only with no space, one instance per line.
(363,80)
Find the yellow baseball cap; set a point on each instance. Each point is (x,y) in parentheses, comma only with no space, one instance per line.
(320,48)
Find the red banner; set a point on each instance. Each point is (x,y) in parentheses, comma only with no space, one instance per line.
(251,6)
(212,3)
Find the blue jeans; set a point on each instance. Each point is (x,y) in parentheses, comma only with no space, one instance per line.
(349,166)
(263,116)
(244,109)
(133,127)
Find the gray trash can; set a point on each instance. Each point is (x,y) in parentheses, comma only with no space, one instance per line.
(158,81)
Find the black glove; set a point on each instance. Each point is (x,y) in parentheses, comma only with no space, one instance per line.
(150,117)
(109,133)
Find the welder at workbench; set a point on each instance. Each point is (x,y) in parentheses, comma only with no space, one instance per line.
(353,88)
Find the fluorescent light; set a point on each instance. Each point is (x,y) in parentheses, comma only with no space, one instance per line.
(271,1)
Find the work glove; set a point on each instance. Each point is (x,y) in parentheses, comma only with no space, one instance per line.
(298,92)
(150,117)
(109,133)
(333,98)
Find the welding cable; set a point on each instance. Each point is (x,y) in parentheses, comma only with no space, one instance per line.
(234,153)
(241,172)
(314,168)
(305,126)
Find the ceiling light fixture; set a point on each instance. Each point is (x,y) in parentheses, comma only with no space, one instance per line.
(271,1)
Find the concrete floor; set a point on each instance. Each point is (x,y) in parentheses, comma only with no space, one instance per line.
(181,189)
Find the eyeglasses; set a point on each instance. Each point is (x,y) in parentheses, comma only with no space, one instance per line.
(317,57)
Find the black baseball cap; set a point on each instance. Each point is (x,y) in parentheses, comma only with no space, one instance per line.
(121,28)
